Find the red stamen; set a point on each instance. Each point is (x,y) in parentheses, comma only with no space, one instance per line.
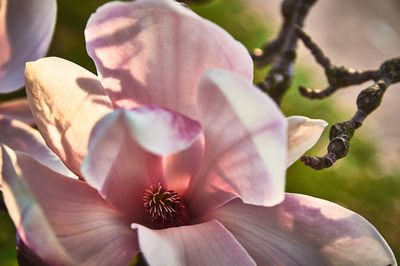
(164,206)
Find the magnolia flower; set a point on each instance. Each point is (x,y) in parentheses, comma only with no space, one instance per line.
(26,28)
(170,152)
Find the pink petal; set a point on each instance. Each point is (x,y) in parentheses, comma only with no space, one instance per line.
(200,244)
(154,52)
(17,109)
(120,164)
(66,101)
(179,168)
(62,219)
(303,134)
(245,143)
(303,230)
(26,28)
(21,137)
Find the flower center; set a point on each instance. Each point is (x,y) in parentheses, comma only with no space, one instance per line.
(164,206)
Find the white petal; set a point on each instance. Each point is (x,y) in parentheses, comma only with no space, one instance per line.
(66,101)
(64,221)
(154,53)
(303,230)
(303,133)
(195,245)
(245,143)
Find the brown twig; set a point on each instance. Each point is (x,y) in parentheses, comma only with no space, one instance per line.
(281,52)
(367,101)
(337,76)
(272,49)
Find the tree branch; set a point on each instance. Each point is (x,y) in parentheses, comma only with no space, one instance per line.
(281,52)
(367,101)
(337,76)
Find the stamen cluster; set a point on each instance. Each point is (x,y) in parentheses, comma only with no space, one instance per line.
(164,206)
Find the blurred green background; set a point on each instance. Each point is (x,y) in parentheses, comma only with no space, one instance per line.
(357,182)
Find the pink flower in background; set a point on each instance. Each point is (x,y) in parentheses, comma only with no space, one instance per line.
(26,28)
(182,158)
